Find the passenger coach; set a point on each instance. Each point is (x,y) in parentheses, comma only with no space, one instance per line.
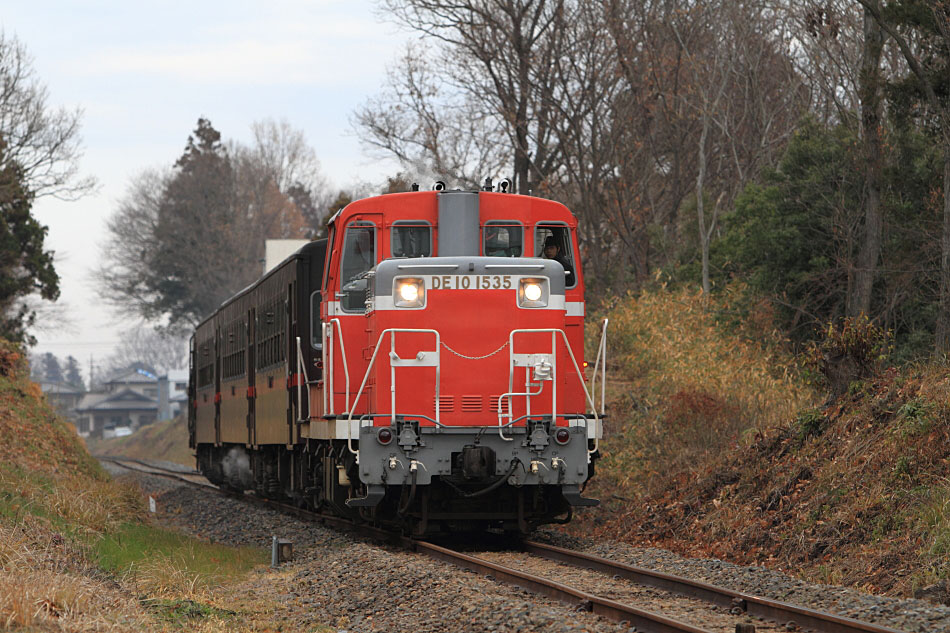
(423,366)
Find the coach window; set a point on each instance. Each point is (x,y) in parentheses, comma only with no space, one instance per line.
(502,238)
(359,256)
(410,238)
(316,325)
(547,236)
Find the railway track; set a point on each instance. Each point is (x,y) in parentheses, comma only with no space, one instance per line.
(770,615)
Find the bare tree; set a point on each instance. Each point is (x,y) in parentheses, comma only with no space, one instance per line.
(870,93)
(144,345)
(715,98)
(131,242)
(497,55)
(432,129)
(44,141)
(282,153)
(825,44)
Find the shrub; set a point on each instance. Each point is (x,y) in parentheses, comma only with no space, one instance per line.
(851,349)
(689,378)
(810,422)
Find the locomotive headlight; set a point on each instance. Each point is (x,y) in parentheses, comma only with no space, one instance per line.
(409,292)
(533,293)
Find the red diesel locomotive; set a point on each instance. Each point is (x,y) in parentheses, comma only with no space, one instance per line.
(423,366)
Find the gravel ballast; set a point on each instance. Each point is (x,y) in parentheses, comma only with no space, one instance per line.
(917,616)
(358,586)
(340,581)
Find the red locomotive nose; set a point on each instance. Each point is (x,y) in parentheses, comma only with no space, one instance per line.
(562,436)
(384,436)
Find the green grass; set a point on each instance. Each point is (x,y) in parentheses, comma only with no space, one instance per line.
(143,548)
(184,613)
(23,492)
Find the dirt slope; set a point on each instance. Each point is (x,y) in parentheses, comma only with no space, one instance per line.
(166,441)
(855,491)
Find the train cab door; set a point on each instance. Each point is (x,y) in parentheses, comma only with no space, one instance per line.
(360,251)
(251,357)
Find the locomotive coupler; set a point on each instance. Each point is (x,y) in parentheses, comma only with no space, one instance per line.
(478,462)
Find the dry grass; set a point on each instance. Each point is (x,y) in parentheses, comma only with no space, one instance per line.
(45,581)
(684,386)
(76,503)
(57,510)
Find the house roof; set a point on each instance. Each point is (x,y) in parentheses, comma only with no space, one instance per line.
(127,376)
(126,399)
(90,400)
(59,387)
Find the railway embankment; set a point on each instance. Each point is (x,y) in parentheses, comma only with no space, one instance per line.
(361,586)
(78,550)
(166,440)
(717,447)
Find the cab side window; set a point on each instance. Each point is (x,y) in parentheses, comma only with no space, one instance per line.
(411,238)
(502,238)
(553,241)
(359,256)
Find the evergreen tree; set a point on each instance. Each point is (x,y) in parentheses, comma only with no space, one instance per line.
(194,224)
(73,375)
(52,371)
(25,267)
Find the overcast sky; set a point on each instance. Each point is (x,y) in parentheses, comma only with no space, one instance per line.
(144,71)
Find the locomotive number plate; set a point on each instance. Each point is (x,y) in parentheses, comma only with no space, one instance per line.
(472,282)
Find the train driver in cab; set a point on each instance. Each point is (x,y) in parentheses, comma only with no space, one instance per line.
(552,250)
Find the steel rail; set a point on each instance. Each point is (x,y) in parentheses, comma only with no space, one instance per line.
(646,621)
(649,622)
(755,606)
(375,533)
(158,471)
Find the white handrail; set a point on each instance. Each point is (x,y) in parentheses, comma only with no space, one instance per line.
(369,368)
(603,379)
(577,370)
(302,368)
(327,369)
(346,370)
(601,355)
(509,395)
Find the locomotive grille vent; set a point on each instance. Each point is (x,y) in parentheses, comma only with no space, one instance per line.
(493,404)
(446,404)
(472,404)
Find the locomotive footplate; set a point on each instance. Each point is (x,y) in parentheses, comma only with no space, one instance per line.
(470,459)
